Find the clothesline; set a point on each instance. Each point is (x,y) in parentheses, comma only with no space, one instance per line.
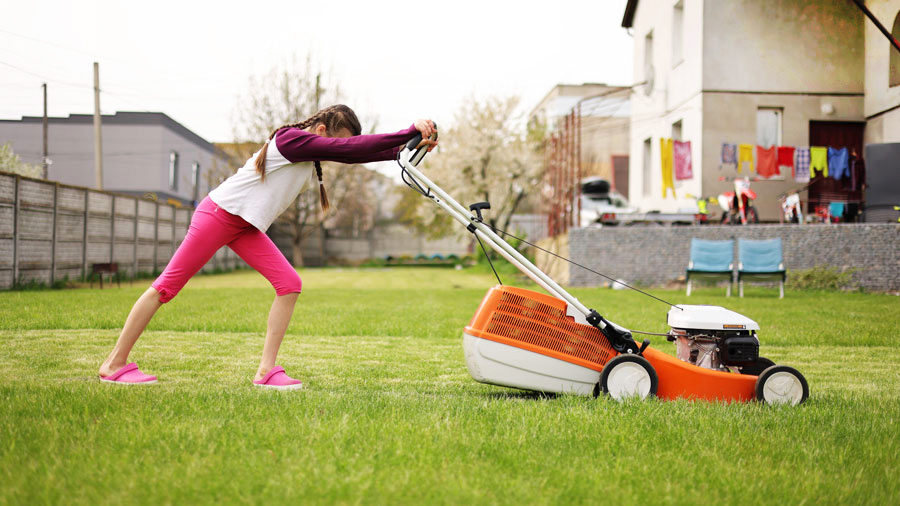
(803,161)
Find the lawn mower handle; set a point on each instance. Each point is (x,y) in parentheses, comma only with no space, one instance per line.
(418,154)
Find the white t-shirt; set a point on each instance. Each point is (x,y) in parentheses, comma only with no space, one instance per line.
(259,202)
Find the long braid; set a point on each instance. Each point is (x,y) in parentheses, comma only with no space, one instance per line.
(334,117)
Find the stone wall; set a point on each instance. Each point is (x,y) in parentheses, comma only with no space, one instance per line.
(658,255)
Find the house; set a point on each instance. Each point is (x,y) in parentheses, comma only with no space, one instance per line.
(603,126)
(771,72)
(143,152)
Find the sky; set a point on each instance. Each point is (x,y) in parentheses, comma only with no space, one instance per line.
(395,61)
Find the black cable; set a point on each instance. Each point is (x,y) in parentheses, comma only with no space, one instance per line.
(488,258)
(404,173)
(498,231)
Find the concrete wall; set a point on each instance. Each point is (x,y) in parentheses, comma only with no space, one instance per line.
(783,45)
(657,255)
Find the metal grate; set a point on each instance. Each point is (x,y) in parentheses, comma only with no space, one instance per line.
(540,325)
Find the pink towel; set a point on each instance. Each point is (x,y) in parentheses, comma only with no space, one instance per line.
(683,167)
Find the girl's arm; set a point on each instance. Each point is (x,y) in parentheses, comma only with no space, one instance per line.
(301,146)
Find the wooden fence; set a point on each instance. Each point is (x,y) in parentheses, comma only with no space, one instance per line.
(51,231)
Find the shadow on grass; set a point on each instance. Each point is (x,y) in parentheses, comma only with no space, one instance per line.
(522,394)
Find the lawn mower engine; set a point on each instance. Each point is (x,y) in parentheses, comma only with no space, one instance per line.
(719,350)
(715,338)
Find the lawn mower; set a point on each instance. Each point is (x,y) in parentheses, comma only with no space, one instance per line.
(555,344)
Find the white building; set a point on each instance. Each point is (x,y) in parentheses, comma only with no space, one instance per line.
(761,72)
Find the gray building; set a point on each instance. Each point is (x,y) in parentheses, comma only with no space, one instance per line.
(142,152)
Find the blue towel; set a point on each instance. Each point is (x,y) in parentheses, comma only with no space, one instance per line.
(836,209)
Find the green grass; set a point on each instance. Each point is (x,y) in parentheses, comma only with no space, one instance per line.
(390,415)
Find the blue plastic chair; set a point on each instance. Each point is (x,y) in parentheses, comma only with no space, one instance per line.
(761,261)
(711,260)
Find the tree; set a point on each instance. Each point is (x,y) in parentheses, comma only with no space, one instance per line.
(10,162)
(484,156)
(287,93)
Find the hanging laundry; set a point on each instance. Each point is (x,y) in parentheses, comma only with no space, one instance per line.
(801,165)
(818,160)
(666,155)
(683,165)
(838,163)
(765,162)
(745,154)
(729,156)
(785,159)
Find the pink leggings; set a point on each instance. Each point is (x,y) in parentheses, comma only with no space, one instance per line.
(213,227)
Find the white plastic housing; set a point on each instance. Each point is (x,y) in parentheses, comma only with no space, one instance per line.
(500,364)
(708,318)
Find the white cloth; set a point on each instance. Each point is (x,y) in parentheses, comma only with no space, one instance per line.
(260,202)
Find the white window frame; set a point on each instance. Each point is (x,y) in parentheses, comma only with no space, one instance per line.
(173,170)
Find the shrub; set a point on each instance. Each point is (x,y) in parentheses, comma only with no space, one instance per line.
(821,277)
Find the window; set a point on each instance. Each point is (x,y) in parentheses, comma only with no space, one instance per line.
(173,171)
(678,33)
(648,55)
(895,55)
(647,167)
(768,126)
(195,179)
(676,131)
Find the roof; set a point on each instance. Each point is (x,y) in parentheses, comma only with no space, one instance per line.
(628,18)
(124,118)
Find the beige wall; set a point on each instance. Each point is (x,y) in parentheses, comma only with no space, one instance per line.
(731,117)
(881,99)
(783,45)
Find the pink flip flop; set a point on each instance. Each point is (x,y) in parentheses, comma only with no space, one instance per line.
(279,380)
(129,375)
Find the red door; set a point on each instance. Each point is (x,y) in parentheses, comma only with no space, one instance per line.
(823,190)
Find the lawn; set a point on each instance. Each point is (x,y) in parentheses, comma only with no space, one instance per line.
(390,415)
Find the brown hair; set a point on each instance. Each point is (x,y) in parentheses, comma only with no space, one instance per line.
(335,118)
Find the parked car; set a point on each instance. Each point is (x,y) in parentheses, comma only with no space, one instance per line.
(600,203)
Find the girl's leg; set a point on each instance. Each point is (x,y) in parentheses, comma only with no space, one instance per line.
(138,318)
(209,230)
(255,248)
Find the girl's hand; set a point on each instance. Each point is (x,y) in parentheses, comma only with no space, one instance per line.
(426,128)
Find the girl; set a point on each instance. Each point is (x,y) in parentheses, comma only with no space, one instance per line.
(238,212)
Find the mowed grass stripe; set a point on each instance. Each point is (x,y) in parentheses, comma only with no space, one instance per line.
(390,415)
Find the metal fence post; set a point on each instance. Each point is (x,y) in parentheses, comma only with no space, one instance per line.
(134,256)
(15,280)
(53,237)
(84,236)
(156,238)
(112,229)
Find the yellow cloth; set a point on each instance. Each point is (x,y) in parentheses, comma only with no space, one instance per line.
(818,159)
(667,155)
(745,154)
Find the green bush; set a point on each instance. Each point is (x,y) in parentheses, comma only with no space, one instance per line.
(821,277)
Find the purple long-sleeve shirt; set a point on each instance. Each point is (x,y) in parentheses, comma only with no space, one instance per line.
(298,145)
(260,201)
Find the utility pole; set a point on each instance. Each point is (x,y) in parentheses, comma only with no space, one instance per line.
(45,171)
(98,144)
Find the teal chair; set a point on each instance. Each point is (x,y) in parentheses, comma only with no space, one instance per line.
(761,261)
(712,261)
